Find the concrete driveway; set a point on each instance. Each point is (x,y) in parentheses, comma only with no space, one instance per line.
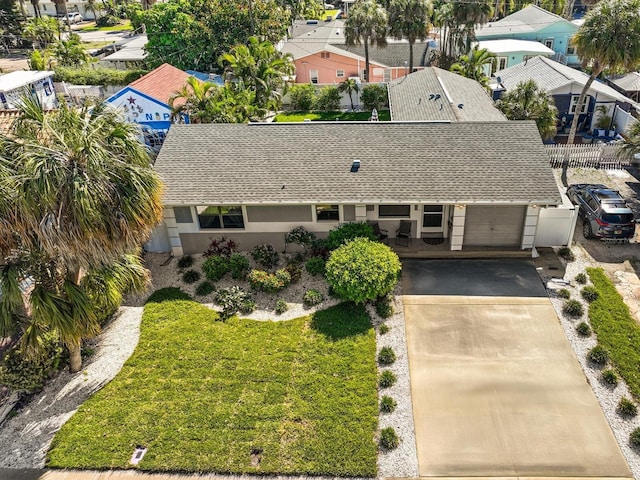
(495,386)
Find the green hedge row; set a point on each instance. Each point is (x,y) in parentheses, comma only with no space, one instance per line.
(97,76)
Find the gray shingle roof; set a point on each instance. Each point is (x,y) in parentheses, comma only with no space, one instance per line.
(409,98)
(527,20)
(393,55)
(630,82)
(492,162)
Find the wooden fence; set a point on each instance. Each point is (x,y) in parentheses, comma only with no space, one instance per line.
(606,156)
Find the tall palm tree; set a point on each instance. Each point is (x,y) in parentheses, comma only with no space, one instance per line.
(77,198)
(471,65)
(367,25)
(529,102)
(608,38)
(36,8)
(409,19)
(350,86)
(193,100)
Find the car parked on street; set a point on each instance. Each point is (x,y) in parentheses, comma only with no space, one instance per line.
(604,212)
(71,17)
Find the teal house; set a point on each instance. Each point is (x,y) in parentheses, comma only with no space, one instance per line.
(535,24)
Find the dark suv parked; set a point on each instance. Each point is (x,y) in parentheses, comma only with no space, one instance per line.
(604,212)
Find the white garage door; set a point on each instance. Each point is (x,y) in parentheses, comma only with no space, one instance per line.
(493,226)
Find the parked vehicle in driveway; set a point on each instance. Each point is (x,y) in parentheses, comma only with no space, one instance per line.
(71,17)
(604,212)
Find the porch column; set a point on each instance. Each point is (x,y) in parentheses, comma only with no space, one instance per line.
(361,213)
(174,234)
(457,228)
(530,226)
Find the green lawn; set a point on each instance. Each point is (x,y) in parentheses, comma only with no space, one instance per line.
(202,395)
(616,329)
(383,116)
(330,13)
(125,25)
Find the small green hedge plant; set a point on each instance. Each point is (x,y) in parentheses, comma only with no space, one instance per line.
(627,408)
(634,438)
(564,293)
(567,254)
(598,355)
(269,282)
(387,379)
(29,374)
(583,329)
(239,266)
(190,276)
(281,306)
(215,267)
(384,328)
(386,356)
(589,293)
(610,377)
(312,298)
(573,308)
(265,255)
(185,262)
(315,266)
(384,306)
(231,300)
(389,439)
(387,404)
(205,288)
(295,272)
(581,278)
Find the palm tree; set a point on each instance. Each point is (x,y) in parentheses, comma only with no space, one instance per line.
(350,85)
(70,52)
(409,19)
(471,66)
(631,142)
(367,25)
(529,102)
(36,8)
(608,38)
(42,30)
(194,100)
(77,198)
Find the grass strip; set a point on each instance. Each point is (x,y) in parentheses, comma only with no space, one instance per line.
(616,329)
(383,116)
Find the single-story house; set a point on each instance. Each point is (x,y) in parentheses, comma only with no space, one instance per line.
(510,52)
(536,24)
(130,53)
(628,85)
(471,184)
(14,84)
(435,94)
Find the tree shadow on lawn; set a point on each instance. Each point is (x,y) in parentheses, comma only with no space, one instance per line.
(341,321)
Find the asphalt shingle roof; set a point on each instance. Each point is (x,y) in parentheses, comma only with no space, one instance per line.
(529,19)
(490,162)
(413,98)
(393,55)
(630,82)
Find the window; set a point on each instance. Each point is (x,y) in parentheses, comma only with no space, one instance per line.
(549,43)
(571,48)
(499,63)
(327,213)
(220,217)
(183,214)
(313,76)
(324,55)
(574,104)
(397,211)
(432,216)
(340,73)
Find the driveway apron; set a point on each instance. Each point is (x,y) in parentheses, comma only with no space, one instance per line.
(495,385)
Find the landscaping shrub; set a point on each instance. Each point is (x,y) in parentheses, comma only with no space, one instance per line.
(107,21)
(312,297)
(281,306)
(167,294)
(564,293)
(374,96)
(315,266)
(387,379)
(205,288)
(300,236)
(583,329)
(387,404)
(389,439)
(319,248)
(610,377)
(348,231)
(589,293)
(384,328)
(216,267)
(24,374)
(581,278)
(231,300)
(328,99)
(191,276)
(384,306)
(185,262)
(626,408)
(567,254)
(221,247)
(239,266)
(302,96)
(386,356)
(598,355)
(269,282)
(362,270)
(96,76)
(248,306)
(266,255)
(634,438)
(295,272)
(573,308)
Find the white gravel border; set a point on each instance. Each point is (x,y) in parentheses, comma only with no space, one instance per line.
(607,397)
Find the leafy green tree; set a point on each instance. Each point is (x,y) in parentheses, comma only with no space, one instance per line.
(259,67)
(192,34)
(94,7)
(529,102)
(366,25)
(631,142)
(303,9)
(77,198)
(502,8)
(553,6)
(43,31)
(409,19)
(608,38)
(374,96)
(328,99)
(303,96)
(11,23)
(362,270)
(70,52)
(350,86)
(472,65)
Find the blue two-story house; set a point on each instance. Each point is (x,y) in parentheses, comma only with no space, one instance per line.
(535,24)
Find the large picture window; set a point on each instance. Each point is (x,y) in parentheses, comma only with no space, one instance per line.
(327,213)
(220,217)
(394,211)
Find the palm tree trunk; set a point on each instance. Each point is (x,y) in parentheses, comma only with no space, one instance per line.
(351,100)
(366,59)
(410,56)
(75,358)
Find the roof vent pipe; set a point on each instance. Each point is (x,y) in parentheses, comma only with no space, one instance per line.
(355,166)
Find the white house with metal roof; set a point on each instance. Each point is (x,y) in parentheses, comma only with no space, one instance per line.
(470,184)
(510,52)
(14,85)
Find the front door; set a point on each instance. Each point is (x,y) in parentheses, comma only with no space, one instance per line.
(433,217)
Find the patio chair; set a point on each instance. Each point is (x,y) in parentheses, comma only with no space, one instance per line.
(403,234)
(379,232)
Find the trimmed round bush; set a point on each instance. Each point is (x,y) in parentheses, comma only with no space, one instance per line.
(634,438)
(185,262)
(598,355)
(589,293)
(610,377)
(248,306)
(626,408)
(384,328)
(349,231)
(581,278)
(387,404)
(204,288)
(363,270)
(567,254)
(583,329)
(281,306)
(315,266)
(312,298)
(386,356)
(215,267)
(389,439)
(573,308)
(190,276)
(564,293)
(231,300)
(387,379)
(265,255)
(239,266)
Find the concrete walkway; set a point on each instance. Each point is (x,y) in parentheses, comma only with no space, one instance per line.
(497,392)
